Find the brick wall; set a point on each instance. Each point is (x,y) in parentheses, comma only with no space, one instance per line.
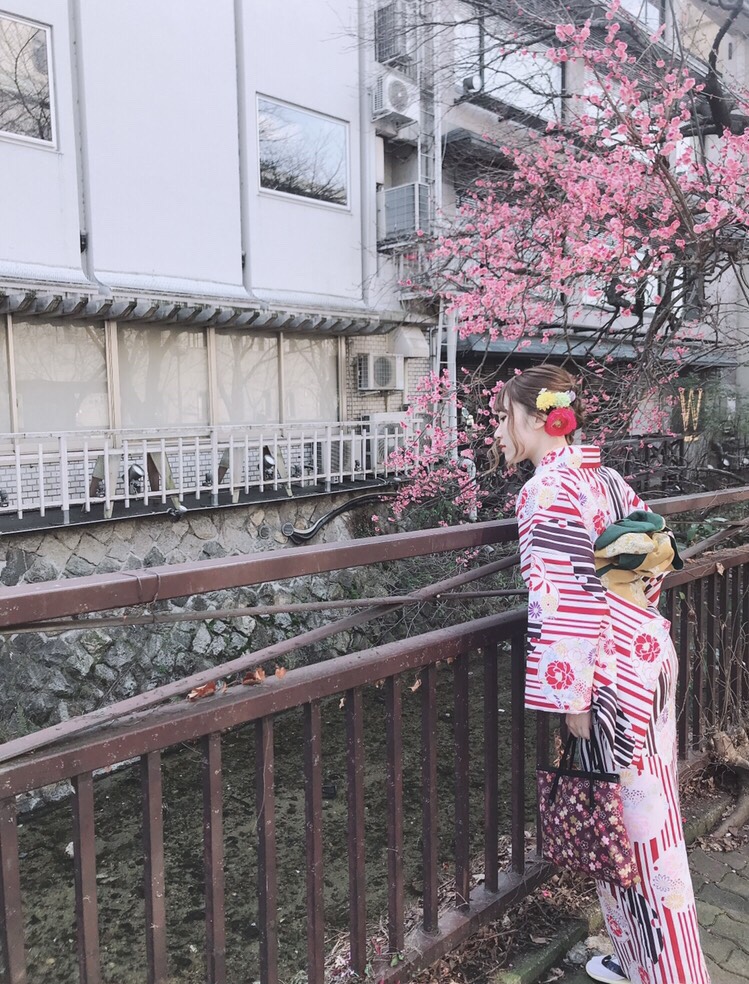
(368,402)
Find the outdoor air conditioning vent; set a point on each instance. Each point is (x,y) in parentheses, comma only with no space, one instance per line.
(402,212)
(346,456)
(380,372)
(395,100)
(391,34)
(384,434)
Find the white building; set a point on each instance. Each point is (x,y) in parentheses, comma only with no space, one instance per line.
(189,272)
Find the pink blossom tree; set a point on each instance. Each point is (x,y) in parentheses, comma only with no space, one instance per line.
(623,224)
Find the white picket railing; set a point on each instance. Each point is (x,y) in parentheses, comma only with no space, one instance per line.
(73,469)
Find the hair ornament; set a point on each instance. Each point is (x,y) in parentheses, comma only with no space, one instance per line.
(561,422)
(550,399)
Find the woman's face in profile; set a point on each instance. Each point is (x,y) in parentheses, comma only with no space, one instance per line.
(518,434)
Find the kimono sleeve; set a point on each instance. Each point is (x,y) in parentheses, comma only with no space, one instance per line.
(568,615)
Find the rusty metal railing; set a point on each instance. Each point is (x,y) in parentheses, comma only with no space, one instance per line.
(709,607)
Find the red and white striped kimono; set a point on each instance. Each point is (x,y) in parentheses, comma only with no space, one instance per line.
(590,648)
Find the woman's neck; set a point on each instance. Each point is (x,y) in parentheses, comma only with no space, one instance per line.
(545,446)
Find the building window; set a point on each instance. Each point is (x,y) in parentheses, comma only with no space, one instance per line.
(302,153)
(163,376)
(310,371)
(246,378)
(61,376)
(25,103)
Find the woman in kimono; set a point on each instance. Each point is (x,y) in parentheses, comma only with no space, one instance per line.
(601,654)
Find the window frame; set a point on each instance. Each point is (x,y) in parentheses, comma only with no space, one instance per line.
(52,144)
(290,196)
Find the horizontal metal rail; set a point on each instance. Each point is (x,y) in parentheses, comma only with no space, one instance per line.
(173,723)
(30,603)
(158,695)
(27,604)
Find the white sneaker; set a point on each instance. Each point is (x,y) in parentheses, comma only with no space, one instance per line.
(605,969)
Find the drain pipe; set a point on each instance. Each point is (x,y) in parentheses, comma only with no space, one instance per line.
(368,221)
(304,536)
(437,335)
(86,228)
(452,372)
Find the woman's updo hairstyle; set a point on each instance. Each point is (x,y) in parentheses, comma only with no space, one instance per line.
(522,391)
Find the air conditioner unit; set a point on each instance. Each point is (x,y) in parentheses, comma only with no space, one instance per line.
(386,434)
(379,372)
(391,34)
(395,99)
(347,456)
(402,212)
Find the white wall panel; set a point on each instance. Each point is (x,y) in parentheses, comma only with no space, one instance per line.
(307,55)
(40,237)
(161,107)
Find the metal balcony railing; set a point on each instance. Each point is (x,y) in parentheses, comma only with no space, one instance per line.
(126,469)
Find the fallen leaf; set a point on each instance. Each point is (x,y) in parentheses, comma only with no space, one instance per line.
(254,676)
(342,703)
(416,684)
(280,672)
(720,568)
(554,974)
(539,939)
(205,691)
(224,687)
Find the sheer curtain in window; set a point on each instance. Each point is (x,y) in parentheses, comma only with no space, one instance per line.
(246,378)
(61,376)
(310,367)
(163,376)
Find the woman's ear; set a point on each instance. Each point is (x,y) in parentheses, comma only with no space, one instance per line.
(538,421)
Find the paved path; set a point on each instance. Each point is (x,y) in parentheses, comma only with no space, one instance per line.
(721,884)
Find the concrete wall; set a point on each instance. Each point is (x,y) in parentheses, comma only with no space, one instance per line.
(304,54)
(159,88)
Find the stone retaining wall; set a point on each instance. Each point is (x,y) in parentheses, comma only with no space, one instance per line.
(47,678)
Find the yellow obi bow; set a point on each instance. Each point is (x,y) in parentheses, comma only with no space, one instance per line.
(633,551)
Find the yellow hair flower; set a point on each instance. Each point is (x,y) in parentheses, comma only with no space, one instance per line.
(548,399)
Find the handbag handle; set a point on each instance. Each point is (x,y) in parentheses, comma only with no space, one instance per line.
(568,758)
(565,763)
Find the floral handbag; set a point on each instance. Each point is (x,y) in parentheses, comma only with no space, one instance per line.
(582,819)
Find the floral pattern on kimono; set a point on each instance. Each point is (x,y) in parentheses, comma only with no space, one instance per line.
(591,648)
(567,607)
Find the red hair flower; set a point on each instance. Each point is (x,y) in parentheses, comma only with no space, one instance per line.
(560,422)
